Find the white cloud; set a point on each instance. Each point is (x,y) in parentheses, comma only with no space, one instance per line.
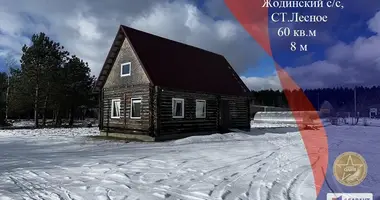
(356,63)
(374,23)
(87,27)
(347,65)
(10,24)
(262,83)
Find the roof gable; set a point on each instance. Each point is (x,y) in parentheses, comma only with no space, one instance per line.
(137,75)
(176,65)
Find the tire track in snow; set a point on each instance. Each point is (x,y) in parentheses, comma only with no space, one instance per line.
(221,191)
(183,172)
(230,171)
(38,187)
(183,190)
(264,193)
(267,188)
(292,191)
(34,190)
(284,171)
(23,188)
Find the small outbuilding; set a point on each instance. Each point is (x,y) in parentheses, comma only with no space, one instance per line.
(374,111)
(327,110)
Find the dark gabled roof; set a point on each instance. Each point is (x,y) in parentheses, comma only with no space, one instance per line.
(176,65)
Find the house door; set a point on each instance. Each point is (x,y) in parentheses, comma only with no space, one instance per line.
(125,111)
(224,116)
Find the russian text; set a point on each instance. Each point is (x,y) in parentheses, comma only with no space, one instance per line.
(293,4)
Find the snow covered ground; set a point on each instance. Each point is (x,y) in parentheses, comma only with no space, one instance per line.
(369,122)
(30,123)
(62,164)
(271,125)
(22,123)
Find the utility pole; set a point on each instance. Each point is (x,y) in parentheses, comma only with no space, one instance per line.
(318,101)
(9,63)
(356,114)
(7,99)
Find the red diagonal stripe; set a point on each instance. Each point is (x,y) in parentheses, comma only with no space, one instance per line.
(254,18)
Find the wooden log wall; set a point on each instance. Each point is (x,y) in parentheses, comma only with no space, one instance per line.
(156,111)
(101,110)
(239,108)
(125,123)
(169,125)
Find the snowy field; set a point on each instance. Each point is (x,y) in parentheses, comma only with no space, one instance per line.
(30,123)
(23,123)
(63,164)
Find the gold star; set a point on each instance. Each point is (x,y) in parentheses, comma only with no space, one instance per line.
(349,163)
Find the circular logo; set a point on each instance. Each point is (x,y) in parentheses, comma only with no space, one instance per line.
(350,169)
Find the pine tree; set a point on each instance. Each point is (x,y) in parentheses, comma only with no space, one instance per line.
(78,86)
(3,88)
(39,62)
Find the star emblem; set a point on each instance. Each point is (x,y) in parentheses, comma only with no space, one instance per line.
(349,163)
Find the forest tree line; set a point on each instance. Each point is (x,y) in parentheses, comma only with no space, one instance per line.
(47,83)
(50,83)
(342,99)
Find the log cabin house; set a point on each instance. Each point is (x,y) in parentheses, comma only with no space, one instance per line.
(152,88)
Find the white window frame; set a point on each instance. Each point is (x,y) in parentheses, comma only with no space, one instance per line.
(139,100)
(112,107)
(121,69)
(183,108)
(203,101)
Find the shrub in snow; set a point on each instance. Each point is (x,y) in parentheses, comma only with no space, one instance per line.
(365,122)
(334,121)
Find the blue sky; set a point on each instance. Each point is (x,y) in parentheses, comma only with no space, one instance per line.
(264,67)
(344,53)
(344,50)
(343,25)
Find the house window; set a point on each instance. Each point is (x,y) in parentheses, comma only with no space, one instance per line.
(125,69)
(136,108)
(200,108)
(178,108)
(115,108)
